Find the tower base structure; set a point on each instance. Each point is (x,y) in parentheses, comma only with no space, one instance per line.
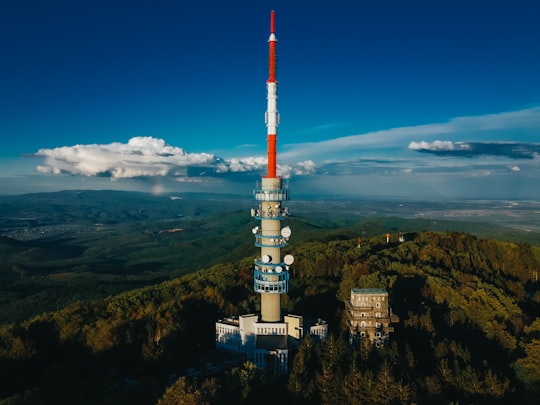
(266,344)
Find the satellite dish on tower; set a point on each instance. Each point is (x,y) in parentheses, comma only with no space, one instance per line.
(266,259)
(286,232)
(288,260)
(279,269)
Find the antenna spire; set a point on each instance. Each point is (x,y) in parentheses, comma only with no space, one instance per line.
(272,115)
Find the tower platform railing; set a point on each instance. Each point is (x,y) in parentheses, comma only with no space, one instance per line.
(271,282)
(281,194)
(272,241)
(271,213)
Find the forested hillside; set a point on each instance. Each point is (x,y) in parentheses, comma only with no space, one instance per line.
(60,248)
(469,332)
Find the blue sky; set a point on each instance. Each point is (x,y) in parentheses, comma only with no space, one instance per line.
(416,99)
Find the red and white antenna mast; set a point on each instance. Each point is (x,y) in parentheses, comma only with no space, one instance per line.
(272,115)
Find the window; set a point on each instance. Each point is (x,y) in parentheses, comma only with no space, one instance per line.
(378,304)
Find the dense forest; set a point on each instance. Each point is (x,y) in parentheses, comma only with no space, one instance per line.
(469,332)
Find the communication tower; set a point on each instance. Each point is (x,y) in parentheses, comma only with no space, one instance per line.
(267,337)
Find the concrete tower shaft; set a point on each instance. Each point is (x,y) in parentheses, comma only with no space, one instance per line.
(271,277)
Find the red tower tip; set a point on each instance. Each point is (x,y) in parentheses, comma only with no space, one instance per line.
(272,22)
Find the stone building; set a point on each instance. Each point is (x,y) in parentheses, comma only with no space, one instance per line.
(370,316)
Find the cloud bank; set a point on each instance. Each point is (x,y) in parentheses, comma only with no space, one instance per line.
(474,158)
(148,157)
(514,150)
(141,156)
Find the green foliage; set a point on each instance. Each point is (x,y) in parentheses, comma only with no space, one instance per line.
(184,392)
(249,379)
(468,331)
(87,245)
(301,382)
(527,366)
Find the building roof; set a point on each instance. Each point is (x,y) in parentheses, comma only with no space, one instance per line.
(369,291)
(229,321)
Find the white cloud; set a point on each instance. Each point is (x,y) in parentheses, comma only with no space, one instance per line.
(140,157)
(512,150)
(242,165)
(148,157)
(298,169)
(438,146)
(515,168)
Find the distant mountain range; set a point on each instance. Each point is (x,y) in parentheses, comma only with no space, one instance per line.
(61,247)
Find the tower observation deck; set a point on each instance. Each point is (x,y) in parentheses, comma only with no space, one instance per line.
(267,337)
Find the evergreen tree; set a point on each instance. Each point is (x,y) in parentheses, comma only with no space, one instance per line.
(301,381)
(328,386)
(352,385)
(183,392)
(250,379)
(385,387)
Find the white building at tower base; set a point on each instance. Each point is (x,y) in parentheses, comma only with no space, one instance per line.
(267,344)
